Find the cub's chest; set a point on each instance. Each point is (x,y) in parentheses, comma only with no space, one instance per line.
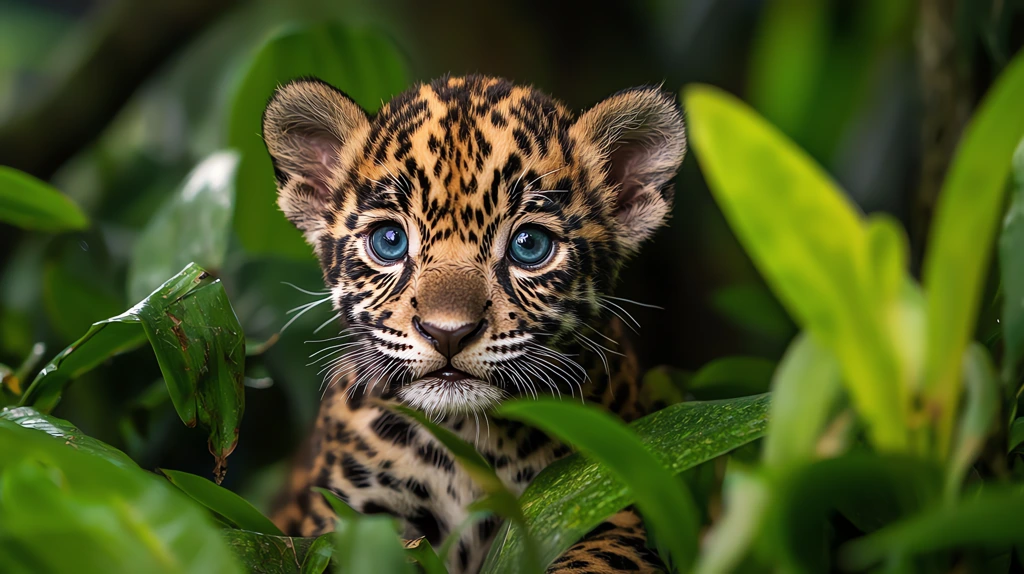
(382,462)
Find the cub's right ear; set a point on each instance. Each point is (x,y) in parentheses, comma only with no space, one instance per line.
(305,126)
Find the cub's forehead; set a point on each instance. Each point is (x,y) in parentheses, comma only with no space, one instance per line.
(459,135)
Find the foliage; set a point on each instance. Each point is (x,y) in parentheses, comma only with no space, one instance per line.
(890,438)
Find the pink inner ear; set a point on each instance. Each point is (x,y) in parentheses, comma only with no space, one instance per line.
(624,170)
(322,154)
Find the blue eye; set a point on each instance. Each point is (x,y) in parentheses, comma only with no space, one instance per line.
(530,245)
(389,243)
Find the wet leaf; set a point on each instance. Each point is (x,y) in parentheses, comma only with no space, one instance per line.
(62,510)
(572,496)
(226,504)
(30,203)
(364,64)
(199,347)
(319,555)
(268,554)
(61,429)
(664,501)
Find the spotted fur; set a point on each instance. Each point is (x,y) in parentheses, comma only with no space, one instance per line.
(461,164)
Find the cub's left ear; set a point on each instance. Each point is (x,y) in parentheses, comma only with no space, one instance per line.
(641,139)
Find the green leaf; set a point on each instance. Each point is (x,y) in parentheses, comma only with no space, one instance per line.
(730,377)
(961,233)
(867,489)
(1016,434)
(980,412)
(344,511)
(198,344)
(753,308)
(65,432)
(989,519)
(29,203)
(812,247)
(804,392)
(265,553)
(790,51)
(1011,264)
(193,226)
(369,544)
(573,495)
(747,496)
(421,550)
(226,504)
(319,555)
(498,498)
(501,500)
(663,500)
(67,511)
(363,63)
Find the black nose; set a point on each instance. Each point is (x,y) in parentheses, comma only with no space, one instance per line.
(450,341)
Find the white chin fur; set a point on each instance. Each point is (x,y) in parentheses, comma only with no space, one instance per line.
(437,397)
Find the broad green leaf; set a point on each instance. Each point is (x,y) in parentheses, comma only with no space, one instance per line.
(319,555)
(233,508)
(65,432)
(572,496)
(869,490)
(369,544)
(663,500)
(421,551)
(981,410)
(961,234)
(988,519)
(198,344)
(730,377)
(747,496)
(29,203)
(810,244)
(193,226)
(804,393)
(1011,265)
(269,554)
(67,511)
(362,63)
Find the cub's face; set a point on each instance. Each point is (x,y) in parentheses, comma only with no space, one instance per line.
(468,231)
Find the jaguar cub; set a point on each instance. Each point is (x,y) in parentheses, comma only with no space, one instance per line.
(470,234)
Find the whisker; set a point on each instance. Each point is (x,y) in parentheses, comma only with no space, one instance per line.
(307,292)
(637,303)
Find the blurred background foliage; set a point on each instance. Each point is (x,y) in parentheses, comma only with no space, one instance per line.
(128,107)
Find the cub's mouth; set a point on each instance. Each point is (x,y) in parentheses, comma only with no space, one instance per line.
(450,391)
(449,374)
